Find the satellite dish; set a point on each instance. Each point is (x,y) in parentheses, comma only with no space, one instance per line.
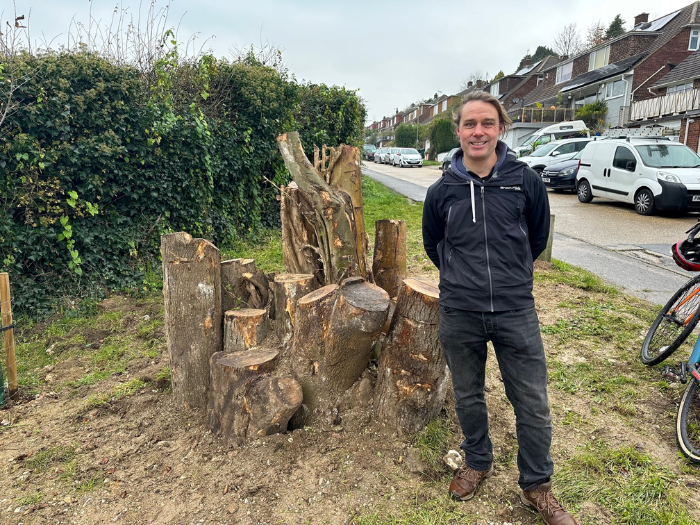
(516,100)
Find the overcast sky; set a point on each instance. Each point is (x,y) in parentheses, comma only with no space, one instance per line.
(395,52)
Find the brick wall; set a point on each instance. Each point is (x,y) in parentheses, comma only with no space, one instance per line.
(675,51)
(630,46)
(580,65)
(521,92)
(693,133)
(550,77)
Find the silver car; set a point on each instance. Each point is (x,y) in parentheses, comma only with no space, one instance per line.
(406,157)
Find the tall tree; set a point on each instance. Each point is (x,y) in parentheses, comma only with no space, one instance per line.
(539,54)
(568,41)
(595,35)
(616,28)
(498,76)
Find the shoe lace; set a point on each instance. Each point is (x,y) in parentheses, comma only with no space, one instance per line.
(547,503)
(470,474)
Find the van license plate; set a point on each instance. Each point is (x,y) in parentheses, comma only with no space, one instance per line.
(696,198)
(546,179)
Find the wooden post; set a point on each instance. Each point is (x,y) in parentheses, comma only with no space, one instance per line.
(389,266)
(546,255)
(9,336)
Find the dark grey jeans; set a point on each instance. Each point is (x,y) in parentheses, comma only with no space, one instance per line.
(520,354)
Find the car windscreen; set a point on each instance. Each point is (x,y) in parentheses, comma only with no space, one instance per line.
(544,150)
(668,156)
(370,148)
(530,140)
(409,151)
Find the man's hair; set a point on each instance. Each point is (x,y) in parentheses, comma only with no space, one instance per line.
(483,96)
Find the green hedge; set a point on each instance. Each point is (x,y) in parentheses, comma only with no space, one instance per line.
(100,160)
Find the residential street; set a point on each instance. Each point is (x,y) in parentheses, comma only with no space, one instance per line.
(605,237)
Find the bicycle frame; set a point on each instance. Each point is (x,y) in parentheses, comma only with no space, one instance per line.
(694,359)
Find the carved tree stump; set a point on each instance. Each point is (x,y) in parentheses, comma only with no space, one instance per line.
(334,334)
(289,288)
(246,402)
(191,291)
(244,329)
(389,266)
(412,374)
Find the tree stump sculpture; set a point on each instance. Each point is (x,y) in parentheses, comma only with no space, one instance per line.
(191,291)
(389,265)
(412,376)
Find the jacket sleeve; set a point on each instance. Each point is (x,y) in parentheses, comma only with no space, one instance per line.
(433,227)
(537,212)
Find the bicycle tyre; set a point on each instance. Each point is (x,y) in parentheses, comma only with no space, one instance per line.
(688,422)
(668,331)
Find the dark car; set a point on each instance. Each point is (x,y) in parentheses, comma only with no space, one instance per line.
(447,159)
(562,175)
(368,151)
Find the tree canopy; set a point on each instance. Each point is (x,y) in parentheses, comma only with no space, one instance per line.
(616,28)
(539,54)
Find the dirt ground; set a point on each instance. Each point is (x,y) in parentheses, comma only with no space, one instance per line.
(142,460)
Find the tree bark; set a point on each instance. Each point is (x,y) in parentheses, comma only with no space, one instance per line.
(389,266)
(246,402)
(412,373)
(192,297)
(242,286)
(289,288)
(299,242)
(327,209)
(244,329)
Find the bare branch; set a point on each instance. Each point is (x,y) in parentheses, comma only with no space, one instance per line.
(568,41)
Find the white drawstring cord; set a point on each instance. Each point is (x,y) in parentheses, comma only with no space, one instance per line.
(473,203)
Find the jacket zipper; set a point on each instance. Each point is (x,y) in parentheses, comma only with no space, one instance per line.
(486,244)
(447,229)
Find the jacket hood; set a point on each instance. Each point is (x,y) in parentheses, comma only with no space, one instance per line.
(507,162)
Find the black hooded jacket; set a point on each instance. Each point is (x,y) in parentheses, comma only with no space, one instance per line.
(483,235)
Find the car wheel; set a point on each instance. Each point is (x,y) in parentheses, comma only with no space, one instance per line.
(539,169)
(644,202)
(584,191)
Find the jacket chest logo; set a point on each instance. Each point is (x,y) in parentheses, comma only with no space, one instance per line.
(516,188)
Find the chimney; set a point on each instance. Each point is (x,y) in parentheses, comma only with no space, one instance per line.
(470,83)
(641,19)
(479,83)
(527,62)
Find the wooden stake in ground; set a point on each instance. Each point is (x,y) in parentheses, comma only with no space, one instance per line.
(244,329)
(193,321)
(9,337)
(412,375)
(389,266)
(246,402)
(322,221)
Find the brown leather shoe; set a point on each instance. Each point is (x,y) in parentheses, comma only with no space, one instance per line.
(466,481)
(542,500)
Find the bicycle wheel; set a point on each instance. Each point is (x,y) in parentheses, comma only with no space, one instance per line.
(688,422)
(673,324)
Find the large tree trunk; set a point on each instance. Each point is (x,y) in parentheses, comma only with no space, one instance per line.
(289,288)
(334,334)
(246,401)
(330,237)
(191,291)
(412,373)
(389,266)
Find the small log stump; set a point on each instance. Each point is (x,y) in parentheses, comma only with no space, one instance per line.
(191,291)
(289,288)
(389,265)
(244,329)
(412,376)
(246,402)
(242,286)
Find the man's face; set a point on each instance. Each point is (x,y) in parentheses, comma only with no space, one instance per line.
(478,132)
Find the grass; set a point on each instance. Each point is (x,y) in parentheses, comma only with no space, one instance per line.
(123,390)
(576,277)
(46,459)
(430,163)
(435,511)
(432,443)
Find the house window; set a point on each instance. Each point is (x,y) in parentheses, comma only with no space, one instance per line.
(598,58)
(614,89)
(539,79)
(680,88)
(444,105)
(564,72)
(694,44)
(494,89)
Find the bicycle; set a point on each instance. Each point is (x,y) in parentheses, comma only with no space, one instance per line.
(668,332)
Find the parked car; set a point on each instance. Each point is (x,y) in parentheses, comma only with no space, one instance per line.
(554,152)
(368,151)
(447,159)
(407,157)
(378,155)
(389,159)
(562,130)
(652,174)
(562,175)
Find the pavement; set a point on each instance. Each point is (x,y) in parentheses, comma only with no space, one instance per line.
(606,238)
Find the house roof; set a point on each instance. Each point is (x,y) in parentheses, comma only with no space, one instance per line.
(686,70)
(677,20)
(527,69)
(655,25)
(546,62)
(603,72)
(541,93)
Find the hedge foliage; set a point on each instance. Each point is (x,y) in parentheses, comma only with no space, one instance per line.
(101,159)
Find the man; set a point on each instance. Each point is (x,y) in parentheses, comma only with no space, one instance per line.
(484,223)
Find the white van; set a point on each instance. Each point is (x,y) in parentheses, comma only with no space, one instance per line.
(652,174)
(575,128)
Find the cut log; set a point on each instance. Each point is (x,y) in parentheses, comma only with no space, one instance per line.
(389,265)
(244,329)
(246,402)
(299,243)
(412,373)
(242,286)
(193,319)
(289,288)
(326,210)
(334,335)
